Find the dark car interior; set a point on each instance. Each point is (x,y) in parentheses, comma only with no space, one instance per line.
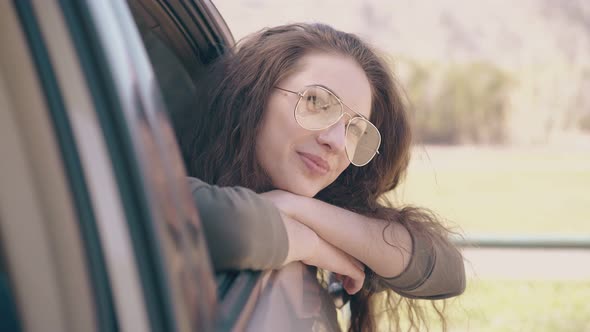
(179,59)
(179,50)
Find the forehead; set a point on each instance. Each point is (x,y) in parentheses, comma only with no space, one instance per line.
(341,74)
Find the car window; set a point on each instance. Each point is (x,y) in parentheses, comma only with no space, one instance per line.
(178,56)
(289,298)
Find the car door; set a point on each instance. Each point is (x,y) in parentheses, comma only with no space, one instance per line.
(97,230)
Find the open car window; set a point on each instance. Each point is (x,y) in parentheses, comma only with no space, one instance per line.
(182,38)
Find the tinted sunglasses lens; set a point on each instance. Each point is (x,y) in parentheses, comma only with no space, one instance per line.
(362,141)
(317,109)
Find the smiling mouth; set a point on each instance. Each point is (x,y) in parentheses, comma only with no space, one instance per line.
(314,164)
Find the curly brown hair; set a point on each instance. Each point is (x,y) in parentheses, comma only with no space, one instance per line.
(217,140)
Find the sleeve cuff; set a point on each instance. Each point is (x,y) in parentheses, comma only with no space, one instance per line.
(435,270)
(419,268)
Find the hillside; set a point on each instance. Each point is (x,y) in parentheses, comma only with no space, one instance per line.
(541,47)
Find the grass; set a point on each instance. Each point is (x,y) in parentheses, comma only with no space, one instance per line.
(502,190)
(516,305)
(508,191)
(523,306)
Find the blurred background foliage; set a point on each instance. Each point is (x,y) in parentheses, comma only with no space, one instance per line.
(480,102)
(457,103)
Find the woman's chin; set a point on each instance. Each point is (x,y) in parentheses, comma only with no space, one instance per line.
(306,192)
(301,188)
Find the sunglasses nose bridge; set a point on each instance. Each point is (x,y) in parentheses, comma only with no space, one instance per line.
(349,116)
(339,120)
(341,116)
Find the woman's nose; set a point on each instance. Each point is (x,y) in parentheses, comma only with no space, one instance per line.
(334,136)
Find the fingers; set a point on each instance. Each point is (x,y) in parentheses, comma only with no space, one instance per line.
(351,285)
(336,260)
(330,258)
(302,240)
(305,245)
(357,263)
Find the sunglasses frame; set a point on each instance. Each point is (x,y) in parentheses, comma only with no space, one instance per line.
(342,113)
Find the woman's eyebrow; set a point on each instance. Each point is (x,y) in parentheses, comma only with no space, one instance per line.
(332,91)
(340,99)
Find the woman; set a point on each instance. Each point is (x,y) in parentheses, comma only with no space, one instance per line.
(291,109)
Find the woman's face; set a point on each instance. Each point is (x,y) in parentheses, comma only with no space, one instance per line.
(303,161)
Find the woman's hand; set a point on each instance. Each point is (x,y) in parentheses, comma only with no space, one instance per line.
(306,246)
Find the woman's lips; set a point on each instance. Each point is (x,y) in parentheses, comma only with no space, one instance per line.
(314,163)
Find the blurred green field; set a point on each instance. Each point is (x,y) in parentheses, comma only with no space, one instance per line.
(524,306)
(520,306)
(507,191)
(514,306)
(502,190)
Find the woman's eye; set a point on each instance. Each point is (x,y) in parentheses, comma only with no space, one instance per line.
(355,130)
(316,103)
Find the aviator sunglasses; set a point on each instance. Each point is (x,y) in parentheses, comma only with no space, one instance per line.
(318,108)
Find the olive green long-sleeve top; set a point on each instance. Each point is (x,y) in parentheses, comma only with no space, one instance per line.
(245,231)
